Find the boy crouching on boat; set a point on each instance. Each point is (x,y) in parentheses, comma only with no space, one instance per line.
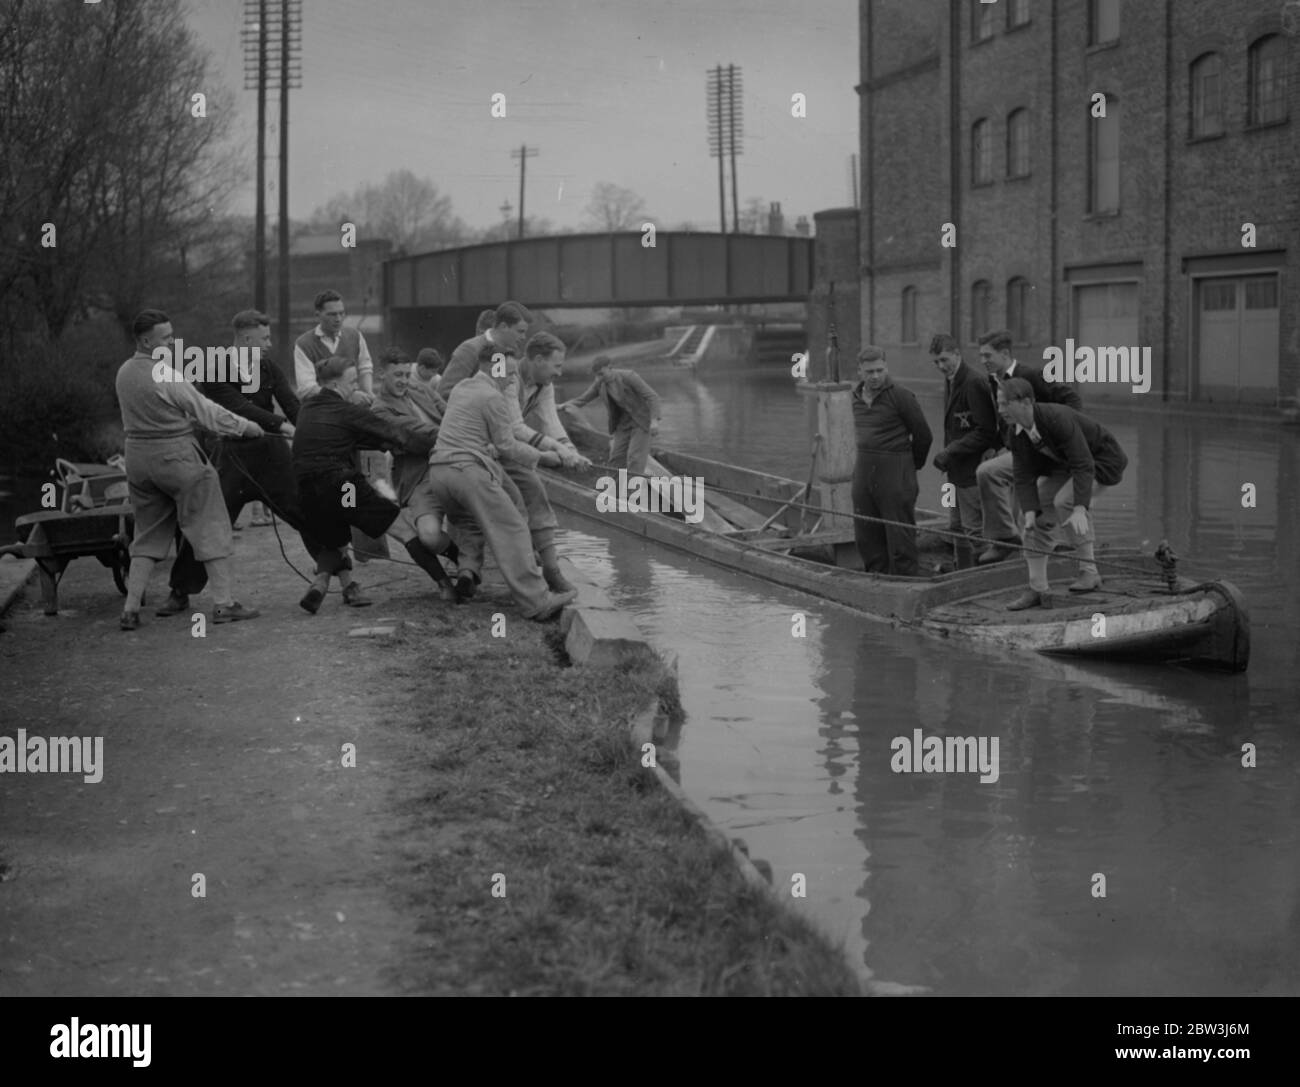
(335,493)
(1063,461)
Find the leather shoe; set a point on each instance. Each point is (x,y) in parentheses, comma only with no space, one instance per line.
(312,601)
(996,552)
(466,586)
(130,620)
(1086,583)
(1030,598)
(353,598)
(555,602)
(173,605)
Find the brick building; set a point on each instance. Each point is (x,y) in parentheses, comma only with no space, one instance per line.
(1122,229)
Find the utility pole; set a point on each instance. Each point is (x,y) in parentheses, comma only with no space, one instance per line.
(255,34)
(733,93)
(276,28)
(717,139)
(523,155)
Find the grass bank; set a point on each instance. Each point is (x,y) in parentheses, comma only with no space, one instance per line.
(533,781)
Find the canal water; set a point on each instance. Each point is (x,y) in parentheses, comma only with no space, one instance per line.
(1131,773)
(1126,772)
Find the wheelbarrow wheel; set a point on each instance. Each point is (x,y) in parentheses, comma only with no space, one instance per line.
(121,566)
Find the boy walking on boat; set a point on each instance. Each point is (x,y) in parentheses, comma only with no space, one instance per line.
(634,413)
(893,441)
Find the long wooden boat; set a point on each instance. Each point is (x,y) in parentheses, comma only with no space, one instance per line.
(1135,615)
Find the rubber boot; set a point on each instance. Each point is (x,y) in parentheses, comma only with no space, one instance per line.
(427,561)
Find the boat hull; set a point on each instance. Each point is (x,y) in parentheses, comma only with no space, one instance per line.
(1203,624)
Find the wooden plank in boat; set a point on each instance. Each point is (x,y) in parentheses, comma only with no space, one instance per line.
(737,513)
(811,539)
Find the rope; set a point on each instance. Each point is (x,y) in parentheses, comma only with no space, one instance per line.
(275,526)
(956,536)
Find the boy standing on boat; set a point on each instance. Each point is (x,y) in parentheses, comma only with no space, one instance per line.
(893,441)
(634,413)
(970,428)
(996,476)
(1063,462)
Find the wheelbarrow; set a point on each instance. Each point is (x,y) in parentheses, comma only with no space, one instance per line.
(95,519)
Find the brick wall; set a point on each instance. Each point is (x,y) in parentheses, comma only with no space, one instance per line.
(1005,229)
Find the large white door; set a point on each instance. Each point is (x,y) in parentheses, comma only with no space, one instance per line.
(1237,339)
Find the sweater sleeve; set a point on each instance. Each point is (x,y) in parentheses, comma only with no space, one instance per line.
(1068,437)
(209,414)
(592,391)
(914,419)
(463,364)
(501,433)
(304,373)
(282,392)
(372,431)
(232,399)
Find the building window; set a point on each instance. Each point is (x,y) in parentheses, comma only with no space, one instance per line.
(1018,309)
(981,21)
(1018,143)
(1017,13)
(908,321)
(1103,21)
(1268,81)
(1207,95)
(981,295)
(1106,315)
(1104,159)
(981,152)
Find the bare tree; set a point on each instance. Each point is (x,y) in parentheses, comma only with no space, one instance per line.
(614,208)
(107,153)
(407,210)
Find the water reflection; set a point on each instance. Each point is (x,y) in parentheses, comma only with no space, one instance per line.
(1129,772)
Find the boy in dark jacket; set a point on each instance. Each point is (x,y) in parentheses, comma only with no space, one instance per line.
(1063,461)
(335,493)
(970,429)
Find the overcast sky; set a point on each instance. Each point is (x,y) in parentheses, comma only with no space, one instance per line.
(607,90)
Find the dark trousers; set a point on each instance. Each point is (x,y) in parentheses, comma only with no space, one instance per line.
(267,462)
(331,513)
(884,485)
